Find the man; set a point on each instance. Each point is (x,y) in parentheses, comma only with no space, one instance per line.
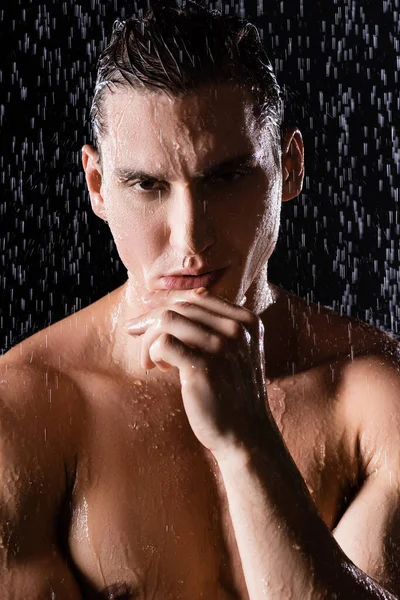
(198,432)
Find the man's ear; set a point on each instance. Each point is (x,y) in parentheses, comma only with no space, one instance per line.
(292,164)
(92,168)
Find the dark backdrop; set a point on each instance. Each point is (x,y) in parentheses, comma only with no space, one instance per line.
(339,63)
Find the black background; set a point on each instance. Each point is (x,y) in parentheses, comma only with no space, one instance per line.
(339,63)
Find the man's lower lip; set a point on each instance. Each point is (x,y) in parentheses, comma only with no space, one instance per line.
(188,282)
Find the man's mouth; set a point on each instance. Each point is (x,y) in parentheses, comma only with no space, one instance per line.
(188,282)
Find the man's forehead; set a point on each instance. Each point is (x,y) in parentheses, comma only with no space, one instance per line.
(209,108)
(201,128)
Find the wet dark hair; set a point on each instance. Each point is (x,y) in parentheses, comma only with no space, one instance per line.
(177,50)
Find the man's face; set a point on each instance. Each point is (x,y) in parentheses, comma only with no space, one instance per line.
(189,176)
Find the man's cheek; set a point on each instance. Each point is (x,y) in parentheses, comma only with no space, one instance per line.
(119,212)
(131,259)
(135,247)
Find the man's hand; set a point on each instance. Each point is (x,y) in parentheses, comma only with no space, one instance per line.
(218,348)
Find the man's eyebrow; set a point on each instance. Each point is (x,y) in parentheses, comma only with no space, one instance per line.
(128,174)
(242,160)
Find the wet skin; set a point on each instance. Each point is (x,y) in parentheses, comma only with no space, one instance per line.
(128,495)
(106,488)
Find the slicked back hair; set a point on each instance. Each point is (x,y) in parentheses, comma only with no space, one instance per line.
(178,49)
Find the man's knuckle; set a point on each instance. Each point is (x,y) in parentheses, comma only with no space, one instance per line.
(166,340)
(168,315)
(251,322)
(252,319)
(184,304)
(235,330)
(217,344)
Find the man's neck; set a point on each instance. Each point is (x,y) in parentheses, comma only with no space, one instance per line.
(261,294)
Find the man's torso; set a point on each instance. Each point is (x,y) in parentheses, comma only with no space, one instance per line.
(143,512)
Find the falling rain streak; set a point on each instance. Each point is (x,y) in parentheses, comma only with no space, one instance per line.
(339,63)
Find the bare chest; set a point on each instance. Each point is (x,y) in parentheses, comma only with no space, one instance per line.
(149,508)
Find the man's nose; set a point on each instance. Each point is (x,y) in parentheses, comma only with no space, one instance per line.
(191,229)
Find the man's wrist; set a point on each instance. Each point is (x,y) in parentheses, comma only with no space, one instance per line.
(264,441)
(242,455)
(235,457)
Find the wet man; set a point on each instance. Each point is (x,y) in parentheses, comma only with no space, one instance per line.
(199,432)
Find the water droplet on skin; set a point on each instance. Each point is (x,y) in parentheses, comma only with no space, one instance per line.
(80,529)
(277,401)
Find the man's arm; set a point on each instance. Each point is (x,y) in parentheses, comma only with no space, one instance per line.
(285,547)
(369,531)
(32,484)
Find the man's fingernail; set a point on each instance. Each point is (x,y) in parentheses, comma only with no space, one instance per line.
(147,296)
(200,291)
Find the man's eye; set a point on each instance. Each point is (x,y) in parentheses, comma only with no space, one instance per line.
(146,185)
(229,176)
(153,185)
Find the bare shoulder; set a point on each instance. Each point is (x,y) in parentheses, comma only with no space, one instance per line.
(364,364)
(42,404)
(77,341)
(38,421)
(39,377)
(325,336)
(369,392)
(41,418)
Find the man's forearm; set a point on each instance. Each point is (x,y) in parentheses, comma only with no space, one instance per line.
(286,549)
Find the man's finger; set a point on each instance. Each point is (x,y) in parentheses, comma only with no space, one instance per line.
(202,297)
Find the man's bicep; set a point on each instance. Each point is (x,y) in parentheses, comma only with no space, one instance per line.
(369,531)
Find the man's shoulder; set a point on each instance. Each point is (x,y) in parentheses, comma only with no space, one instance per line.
(362,363)
(324,336)
(40,401)
(42,375)
(361,367)
(368,388)
(63,346)
(348,352)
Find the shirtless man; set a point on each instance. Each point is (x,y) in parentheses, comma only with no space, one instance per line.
(235,442)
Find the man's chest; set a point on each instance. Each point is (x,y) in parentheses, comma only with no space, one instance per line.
(149,508)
